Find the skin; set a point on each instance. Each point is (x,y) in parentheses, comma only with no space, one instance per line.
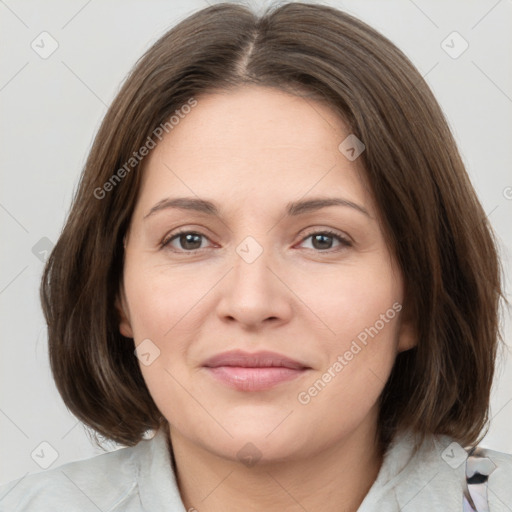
(251,151)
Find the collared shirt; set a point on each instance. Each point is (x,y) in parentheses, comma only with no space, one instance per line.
(141,479)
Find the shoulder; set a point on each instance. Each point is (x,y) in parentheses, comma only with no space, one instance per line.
(103,482)
(500,478)
(434,477)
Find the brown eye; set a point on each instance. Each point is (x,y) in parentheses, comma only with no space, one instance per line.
(323,240)
(187,241)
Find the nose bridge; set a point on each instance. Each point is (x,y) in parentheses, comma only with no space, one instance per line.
(252,292)
(252,263)
(250,249)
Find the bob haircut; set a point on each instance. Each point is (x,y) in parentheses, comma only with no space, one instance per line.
(434,224)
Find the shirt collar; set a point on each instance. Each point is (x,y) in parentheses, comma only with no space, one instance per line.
(406,475)
(158,487)
(403,476)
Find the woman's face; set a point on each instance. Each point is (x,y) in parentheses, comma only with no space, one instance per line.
(261,274)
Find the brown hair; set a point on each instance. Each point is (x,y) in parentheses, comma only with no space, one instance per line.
(435,225)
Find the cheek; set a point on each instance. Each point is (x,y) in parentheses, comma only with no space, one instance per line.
(167,306)
(163,300)
(359,358)
(164,307)
(349,301)
(359,308)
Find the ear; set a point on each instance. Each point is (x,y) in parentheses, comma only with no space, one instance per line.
(407,338)
(407,333)
(125,327)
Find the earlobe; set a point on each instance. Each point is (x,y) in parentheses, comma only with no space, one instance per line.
(125,327)
(406,338)
(407,334)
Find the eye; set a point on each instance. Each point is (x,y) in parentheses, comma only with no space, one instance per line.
(323,240)
(189,241)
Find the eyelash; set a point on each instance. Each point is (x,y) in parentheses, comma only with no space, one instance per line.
(343,240)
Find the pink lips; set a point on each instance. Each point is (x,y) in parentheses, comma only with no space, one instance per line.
(256,371)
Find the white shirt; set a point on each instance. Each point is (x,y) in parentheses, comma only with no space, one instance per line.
(141,479)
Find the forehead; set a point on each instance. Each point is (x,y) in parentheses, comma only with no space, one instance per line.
(254,143)
(241,118)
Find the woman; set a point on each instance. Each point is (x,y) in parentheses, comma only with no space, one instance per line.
(275,263)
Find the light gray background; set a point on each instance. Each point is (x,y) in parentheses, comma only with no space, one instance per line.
(51,109)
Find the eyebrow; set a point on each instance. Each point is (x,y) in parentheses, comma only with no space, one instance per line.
(292,209)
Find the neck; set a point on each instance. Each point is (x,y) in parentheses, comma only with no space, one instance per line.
(338,476)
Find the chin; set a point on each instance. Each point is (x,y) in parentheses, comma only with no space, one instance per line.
(251,449)
(262,440)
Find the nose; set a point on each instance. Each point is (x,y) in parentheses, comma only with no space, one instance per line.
(254,293)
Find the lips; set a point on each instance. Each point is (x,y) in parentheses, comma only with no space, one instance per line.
(256,371)
(262,359)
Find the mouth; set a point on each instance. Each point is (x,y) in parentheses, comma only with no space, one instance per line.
(256,371)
